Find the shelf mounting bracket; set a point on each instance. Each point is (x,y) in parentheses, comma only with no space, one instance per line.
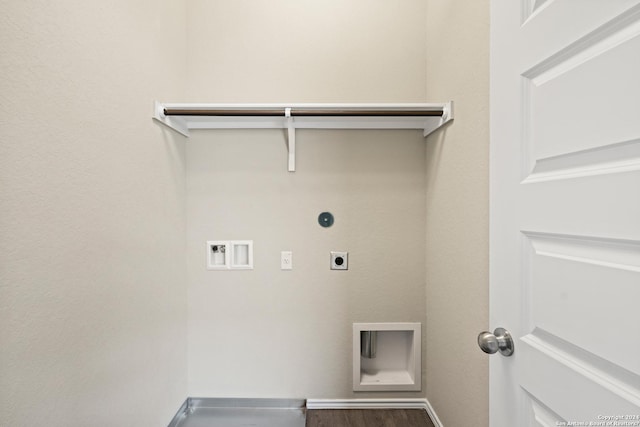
(291,140)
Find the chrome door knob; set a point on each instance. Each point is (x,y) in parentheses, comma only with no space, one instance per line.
(498,341)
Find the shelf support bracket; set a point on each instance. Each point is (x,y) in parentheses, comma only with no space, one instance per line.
(291,140)
(176,123)
(447,116)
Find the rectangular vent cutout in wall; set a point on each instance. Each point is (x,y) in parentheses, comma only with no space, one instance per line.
(387,357)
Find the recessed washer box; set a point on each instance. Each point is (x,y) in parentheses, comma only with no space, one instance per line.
(230,255)
(218,255)
(397,365)
(242,255)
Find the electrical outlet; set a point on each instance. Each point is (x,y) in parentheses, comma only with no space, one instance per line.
(339,260)
(286,260)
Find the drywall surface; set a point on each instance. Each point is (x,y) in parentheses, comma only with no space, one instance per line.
(457,213)
(273,333)
(307,51)
(92,224)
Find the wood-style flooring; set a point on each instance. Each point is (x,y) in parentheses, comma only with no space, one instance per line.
(368,418)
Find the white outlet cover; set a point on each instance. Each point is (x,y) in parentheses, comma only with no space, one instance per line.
(286,260)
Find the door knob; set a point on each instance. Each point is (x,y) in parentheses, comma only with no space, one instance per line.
(500,340)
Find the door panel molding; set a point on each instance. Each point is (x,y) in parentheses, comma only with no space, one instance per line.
(608,252)
(602,39)
(614,379)
(614,158)
(542,414)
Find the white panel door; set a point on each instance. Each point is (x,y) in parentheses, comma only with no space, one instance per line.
(565,211)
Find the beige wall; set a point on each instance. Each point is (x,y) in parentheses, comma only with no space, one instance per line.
(93,306)
(92,224)
(457,213)
(307,51)
(268,332)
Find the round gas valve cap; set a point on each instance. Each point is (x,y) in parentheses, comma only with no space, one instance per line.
(325,219)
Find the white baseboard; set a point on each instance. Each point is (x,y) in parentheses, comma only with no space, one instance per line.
(432,414)
(376,404)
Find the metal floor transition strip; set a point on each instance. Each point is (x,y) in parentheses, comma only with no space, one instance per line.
(224,412)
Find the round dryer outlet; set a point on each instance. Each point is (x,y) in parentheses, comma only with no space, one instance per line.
(339,260)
